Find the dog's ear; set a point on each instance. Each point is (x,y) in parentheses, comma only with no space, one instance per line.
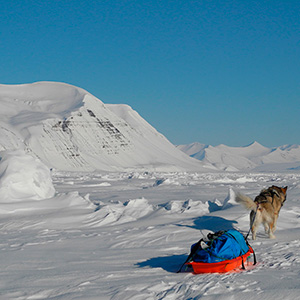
(284,189)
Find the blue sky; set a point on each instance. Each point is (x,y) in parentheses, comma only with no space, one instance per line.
(216,72)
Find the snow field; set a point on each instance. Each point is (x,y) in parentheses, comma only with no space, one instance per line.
(123,236)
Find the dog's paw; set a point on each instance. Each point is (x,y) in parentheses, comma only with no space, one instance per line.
(272,236)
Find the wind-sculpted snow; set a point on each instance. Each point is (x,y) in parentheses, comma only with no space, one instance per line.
(115,213)
(123,236)
(187,206)
(23,177)
(118,212)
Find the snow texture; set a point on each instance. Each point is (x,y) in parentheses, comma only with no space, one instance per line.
(124,235)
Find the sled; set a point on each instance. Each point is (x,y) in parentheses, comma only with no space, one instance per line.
(223,251)
(220,267)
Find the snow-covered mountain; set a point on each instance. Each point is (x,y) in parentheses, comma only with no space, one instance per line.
(252,157)
(70,129)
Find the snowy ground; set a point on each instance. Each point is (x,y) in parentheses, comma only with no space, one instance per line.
(124,236)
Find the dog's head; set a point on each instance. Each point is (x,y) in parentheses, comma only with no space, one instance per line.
(279,192)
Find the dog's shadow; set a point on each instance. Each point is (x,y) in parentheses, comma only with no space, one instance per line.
(172,263)
(211,223)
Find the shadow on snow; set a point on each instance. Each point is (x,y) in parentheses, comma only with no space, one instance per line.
(212,223)
(173,262)
(168,263)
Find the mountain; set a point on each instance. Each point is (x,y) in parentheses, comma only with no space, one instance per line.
(195,150)
(67,128)
(252,157)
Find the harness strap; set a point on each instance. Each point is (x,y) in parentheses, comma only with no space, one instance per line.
(243,266)
(254,258)
(253,252)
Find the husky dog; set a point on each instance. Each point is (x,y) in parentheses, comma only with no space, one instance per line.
(264,209)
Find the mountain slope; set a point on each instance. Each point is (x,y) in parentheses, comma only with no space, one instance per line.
(251,157)
(70,129)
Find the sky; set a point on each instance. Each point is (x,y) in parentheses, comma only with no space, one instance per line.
(208,71)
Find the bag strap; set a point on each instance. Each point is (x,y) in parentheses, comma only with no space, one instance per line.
(192,254)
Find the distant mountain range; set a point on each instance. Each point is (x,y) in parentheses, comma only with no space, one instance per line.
(252,157)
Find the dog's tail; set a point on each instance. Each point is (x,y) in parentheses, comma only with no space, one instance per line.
(245,200)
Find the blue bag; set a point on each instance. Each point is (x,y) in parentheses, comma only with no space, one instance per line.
(228,245)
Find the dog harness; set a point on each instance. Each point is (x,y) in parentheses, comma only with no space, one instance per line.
(263,196)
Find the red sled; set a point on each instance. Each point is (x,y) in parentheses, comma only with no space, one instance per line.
(222,266)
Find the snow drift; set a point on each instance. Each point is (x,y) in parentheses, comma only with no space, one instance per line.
(23,177)
(70,129)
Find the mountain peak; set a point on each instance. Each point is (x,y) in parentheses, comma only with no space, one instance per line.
(255,144)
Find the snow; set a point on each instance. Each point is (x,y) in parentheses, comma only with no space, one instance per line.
(252,157)
(69,129)
(23,177)
(96,204)
(124,235)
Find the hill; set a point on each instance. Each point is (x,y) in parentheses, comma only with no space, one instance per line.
(69,129)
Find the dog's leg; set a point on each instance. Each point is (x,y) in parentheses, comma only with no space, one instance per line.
(275,222)
(271,230)
(254,222)
(267,228)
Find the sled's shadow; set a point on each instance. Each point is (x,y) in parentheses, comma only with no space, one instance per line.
(170,263)
(173,262)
